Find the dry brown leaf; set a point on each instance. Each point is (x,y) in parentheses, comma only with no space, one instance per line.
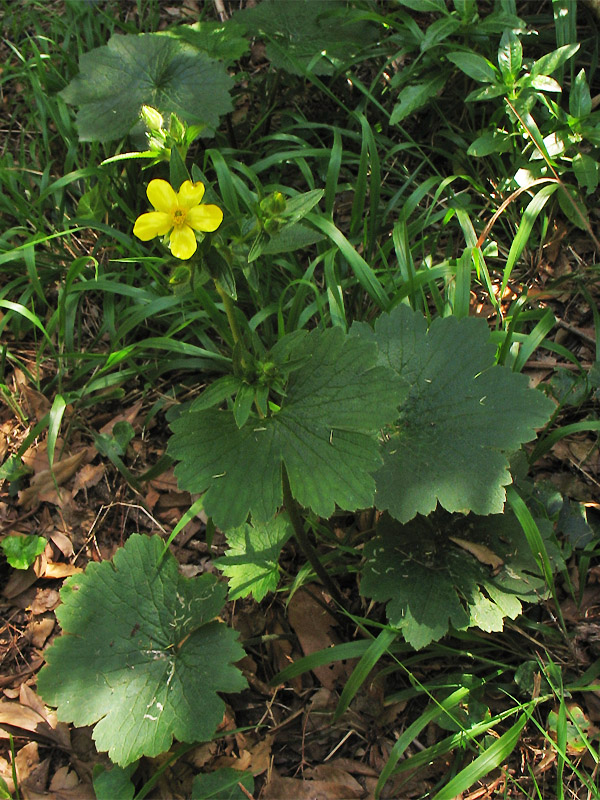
(334,774)
(27,761)
(241,763)
(313,626)
(59,570)
(38,630)
(31,714)
(480,551)
(282,653)
(166,482)
(255,757)
(129,415)
(36,404)
(64,544)
(88,476)
(19,581)
(45,600)
(6,774)
(16,718)
(42,483)
(65,785)
(279,788)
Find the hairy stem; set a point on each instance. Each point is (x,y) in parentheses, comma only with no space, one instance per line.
(230,311)
(291,506)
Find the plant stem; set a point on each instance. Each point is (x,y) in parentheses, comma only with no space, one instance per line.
(230,311)
(291,506)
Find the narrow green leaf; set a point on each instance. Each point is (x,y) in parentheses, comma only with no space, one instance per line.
(368,660)
(364,274)
(56,414)
(432,712)
(549,63)
(530,215)
(491,758)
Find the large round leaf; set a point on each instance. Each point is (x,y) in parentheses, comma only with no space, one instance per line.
(461,416)
(117,79)
(141,656)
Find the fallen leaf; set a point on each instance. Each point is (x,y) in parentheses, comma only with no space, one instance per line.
(279,788)
(129,415)
(19,581)
(480,551)
(38,630)
(336,775)
(42,484)
(45,600)
(88,476)
(65,785)
(313,626)
(64,544)
(59,570)
(27,762)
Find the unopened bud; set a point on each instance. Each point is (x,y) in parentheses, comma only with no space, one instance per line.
(152,118)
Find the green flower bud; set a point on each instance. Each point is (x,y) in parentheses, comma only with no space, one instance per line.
(152,118)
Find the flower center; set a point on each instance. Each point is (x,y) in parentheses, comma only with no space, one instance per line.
(178,216)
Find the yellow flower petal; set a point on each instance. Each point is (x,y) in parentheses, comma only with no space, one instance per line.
(162,195)
(155,223)
(190,194)
(183,242)
(204,218)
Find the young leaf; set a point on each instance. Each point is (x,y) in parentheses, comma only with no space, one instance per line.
(510,56)
(475,66)
(250,563)
(115,80)
(461,417)
(580,99)
(22,551)
(141,656)
(325,433)
(586,171)
(429,583)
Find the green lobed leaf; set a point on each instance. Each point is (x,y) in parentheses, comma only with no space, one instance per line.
(22,551)
(460,416)
(141,656)
(251,560)
(115,80)
(430,582)
(325,433)
(114,783)
(224,41)
(297,31)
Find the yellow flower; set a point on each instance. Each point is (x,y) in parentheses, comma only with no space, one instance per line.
(179,213)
